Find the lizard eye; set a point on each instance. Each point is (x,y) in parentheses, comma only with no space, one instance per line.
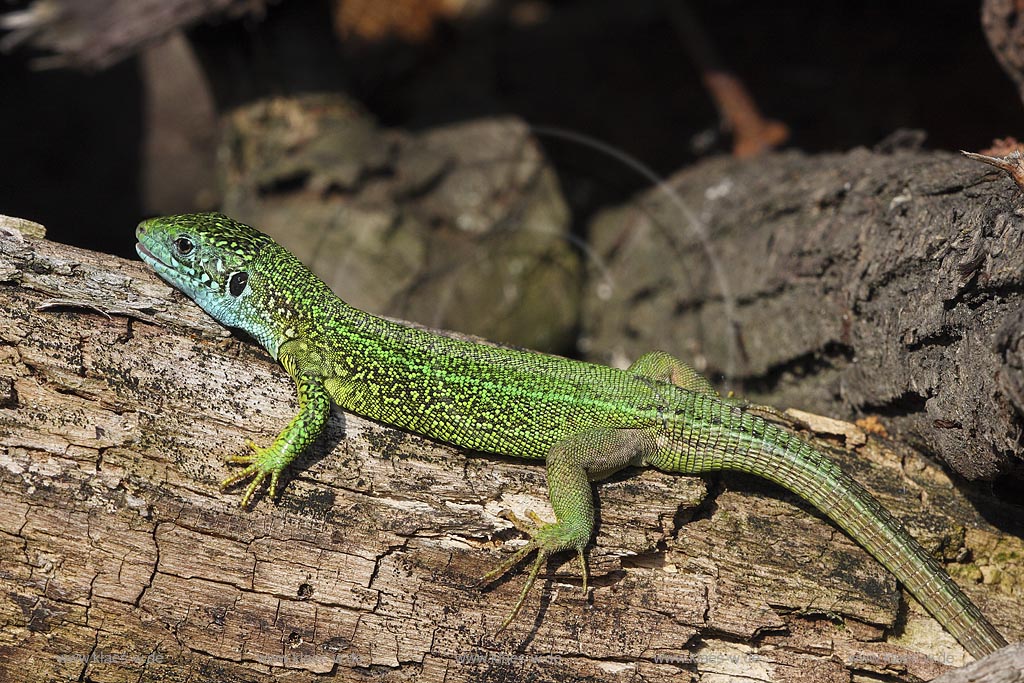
(184,246)
(236,285)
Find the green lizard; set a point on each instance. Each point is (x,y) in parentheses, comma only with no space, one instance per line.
(584,420)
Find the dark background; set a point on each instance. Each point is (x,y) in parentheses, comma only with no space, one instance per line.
(838,74)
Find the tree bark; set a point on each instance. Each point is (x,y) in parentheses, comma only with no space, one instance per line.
(94,34)
(858,284)
(1004,666)
(120,560)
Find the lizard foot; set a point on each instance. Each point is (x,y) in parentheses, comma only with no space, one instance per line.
(547,540)
(762,411)
(261,462)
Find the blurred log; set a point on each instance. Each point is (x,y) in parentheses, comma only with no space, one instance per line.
(860,284)
(93,34)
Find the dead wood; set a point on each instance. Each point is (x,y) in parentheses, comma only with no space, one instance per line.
(120,560)
(886,284)
(94,34)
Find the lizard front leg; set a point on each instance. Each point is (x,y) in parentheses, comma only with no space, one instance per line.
(571,465)
(303,430)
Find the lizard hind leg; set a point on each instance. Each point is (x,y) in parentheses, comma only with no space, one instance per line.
(571,466)
(665,367)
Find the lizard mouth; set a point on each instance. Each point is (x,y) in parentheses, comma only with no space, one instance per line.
(147,255)
(141,234)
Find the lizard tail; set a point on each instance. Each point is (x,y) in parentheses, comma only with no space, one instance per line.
(735,440)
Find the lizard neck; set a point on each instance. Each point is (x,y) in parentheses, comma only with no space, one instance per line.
(286,301)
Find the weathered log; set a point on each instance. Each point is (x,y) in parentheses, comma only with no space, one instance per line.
(93,34)
(1001,21)
(120,560)
(864,283)
(1003,666)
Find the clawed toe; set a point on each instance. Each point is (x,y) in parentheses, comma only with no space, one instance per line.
(261,464)
(507,564)
(547,540)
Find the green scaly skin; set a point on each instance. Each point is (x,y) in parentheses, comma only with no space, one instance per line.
(586,421)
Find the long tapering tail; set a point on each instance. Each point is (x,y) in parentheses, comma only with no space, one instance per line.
(726,438)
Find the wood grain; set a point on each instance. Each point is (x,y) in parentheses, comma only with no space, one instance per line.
(120,560)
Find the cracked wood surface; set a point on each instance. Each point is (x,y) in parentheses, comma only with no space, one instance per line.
(121,561)
(887,283)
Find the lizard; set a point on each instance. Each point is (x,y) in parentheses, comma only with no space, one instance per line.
(584,420)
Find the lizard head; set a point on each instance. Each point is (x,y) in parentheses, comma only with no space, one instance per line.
(230,269)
